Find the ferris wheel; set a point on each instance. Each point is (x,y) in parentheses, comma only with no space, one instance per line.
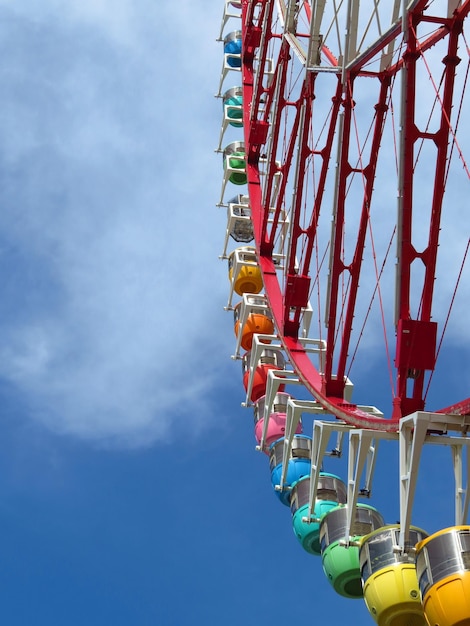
(349,156)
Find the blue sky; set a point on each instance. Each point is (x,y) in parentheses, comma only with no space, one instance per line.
(130,489)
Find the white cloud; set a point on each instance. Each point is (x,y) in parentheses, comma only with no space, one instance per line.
(113,325)
(111,321)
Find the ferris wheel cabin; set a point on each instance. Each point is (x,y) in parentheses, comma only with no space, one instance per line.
(244,272)
(276,426)
(389,579)
(298,465)
(443,569)
(341,562)
(270,359)
(331,491)
(239,223)
(252,317)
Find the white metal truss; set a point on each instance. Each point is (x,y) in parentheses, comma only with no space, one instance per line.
(322,431)
(422,428)
(231,10)
(362,454)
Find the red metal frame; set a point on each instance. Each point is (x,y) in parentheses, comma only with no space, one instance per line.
(416,338)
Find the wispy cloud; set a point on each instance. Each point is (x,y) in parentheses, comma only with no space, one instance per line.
(109,235)
(110,323)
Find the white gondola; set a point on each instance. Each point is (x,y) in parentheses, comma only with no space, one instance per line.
(239,224)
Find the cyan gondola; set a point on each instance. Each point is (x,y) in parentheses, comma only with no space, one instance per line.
(232,112)
(443,569)
(277,420)
(232,101)
(341,562)
(389,580)
(270,359)
(331,491)
(244,271)
(299,464)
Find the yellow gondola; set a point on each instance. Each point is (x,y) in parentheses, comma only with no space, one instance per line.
(443,569)
(389,580)
(244,270)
